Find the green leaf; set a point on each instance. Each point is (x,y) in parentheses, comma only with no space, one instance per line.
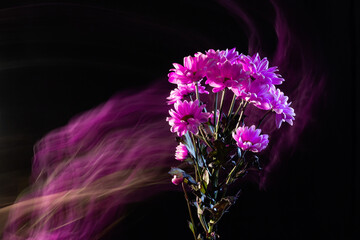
(202,189)
(199,210)
(176,171)
(240,173)
(206,177)
(212,154)
(190,178)
(189,161)
(191,226)
(220,208)
(181,173)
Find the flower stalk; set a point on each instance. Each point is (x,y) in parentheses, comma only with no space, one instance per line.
(197,92)
(241,114)
(215,108)
(232,105)
(262,119)
(220,111)
(189,209)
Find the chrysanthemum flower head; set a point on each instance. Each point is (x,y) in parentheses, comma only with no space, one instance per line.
(193,70)
(250,139)
(287,115)
(187,116)
(259,69)
(279,100)
(231,54)
(224,75)
(280,105)
(259,94)
(256,92)
(184,90)
(181,152)
(223,55)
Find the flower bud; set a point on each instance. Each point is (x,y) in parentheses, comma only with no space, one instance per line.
(177,180)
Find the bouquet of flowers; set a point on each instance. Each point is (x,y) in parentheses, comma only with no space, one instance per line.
(216,147)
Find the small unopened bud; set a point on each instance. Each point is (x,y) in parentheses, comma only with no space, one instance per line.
(177,180)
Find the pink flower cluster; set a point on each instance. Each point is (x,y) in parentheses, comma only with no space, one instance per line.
(217,145)
(249,77)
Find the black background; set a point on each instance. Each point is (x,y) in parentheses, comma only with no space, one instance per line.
(58,59)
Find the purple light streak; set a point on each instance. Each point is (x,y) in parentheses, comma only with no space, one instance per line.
(85,173)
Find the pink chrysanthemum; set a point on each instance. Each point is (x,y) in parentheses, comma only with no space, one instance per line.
(256,92)
(287,115)
(223,55)
(241,90)
(259,94)
(224,75)
(259,69)
(194,70)
(187,117)
(250,139)
(182,91)
(280,105)
(181,152)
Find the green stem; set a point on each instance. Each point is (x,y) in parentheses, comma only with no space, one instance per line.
(216,182)
(242,112)
(232,105)
(231,174)
(236,112)
(235,168)
(221,107)
(197,92)
(202,132)
(201,217)
(262,119)
(189,209)
(197,170)
(197,175)
(210,228)
(238,109)
(215,108)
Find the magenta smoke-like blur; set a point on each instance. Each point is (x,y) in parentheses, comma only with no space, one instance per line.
(304,78)
(85,172)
